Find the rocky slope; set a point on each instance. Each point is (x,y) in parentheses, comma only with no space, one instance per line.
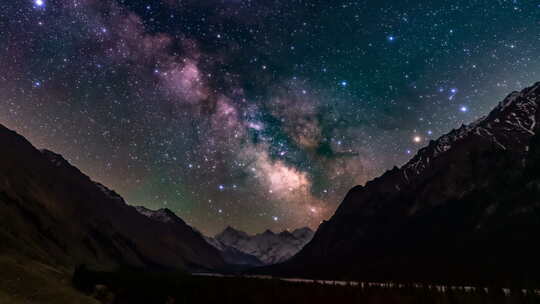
(53,213)
(267,248)
(234,256)
(465,208)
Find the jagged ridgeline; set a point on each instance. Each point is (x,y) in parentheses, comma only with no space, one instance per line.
(465,208)
(265,248)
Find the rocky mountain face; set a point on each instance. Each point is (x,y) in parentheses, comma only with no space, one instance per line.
(53,213)
(464,208)
(234,256)
(261,249)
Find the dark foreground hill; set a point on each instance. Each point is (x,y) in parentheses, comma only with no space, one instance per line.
(466,208)
(56,217)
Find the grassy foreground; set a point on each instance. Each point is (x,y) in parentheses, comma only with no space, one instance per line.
(138,287)
(28,281)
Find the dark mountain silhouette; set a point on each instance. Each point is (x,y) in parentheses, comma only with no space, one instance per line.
(53,213)
(466,208)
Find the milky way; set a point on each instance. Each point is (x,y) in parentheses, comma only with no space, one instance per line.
(255,114)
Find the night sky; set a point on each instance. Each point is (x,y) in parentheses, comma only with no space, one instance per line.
(254,113)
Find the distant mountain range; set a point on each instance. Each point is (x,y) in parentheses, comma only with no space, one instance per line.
(464,208)
(53,213)
(265,248)
(239,248)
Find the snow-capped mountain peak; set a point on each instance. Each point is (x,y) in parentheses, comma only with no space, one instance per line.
(512,120)
(268,247)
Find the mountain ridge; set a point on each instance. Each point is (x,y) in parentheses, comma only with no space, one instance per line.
(55,213)
(460,193)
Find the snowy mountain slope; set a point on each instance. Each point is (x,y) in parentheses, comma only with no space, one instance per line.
(268,247)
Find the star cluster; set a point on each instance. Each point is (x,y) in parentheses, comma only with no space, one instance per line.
(256,114)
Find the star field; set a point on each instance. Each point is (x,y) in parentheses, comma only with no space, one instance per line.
(255,114)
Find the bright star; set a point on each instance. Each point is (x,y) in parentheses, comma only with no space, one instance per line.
(39,2)
(391,38)
(221,187)
(417,139)
(463,109)
(344,83)
(275,218)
